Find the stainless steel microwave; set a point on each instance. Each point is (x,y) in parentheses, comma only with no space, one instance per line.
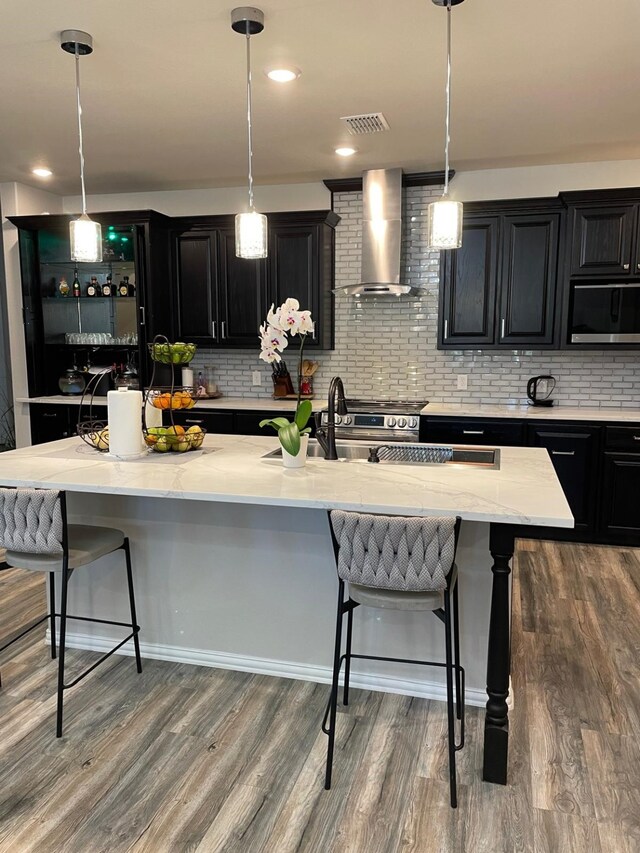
(607,313)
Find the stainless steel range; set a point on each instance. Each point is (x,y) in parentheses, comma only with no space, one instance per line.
(378,421)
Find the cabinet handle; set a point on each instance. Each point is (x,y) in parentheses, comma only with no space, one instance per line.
(473,432)
(213,328)
(142,317)
(502,328)
(193,421)
(636,437)
(563,453)
(625,266)
(53,415)
(446,329)
(224,330)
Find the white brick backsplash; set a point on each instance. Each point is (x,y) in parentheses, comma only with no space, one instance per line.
(386,348)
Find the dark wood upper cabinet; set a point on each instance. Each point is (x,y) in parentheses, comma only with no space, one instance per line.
(603,240)
(196,265)
(221,300)
(529,268)
(241,294)
(469,278)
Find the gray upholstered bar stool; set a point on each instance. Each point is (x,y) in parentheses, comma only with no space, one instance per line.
(401,564)
(36,535)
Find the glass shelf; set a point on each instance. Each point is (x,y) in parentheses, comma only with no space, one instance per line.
(70,298)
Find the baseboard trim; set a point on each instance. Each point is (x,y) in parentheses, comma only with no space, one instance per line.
(281,669)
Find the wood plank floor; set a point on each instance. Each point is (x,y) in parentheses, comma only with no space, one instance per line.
(185,758)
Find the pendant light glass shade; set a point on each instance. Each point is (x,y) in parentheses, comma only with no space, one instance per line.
(86,239)
(444,216)
(251,227)
(444,224)
(251,235)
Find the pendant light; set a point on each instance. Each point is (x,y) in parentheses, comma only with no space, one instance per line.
(251,227)
(444,217)
(85,234)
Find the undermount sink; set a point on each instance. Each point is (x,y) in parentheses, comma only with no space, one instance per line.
(405,454)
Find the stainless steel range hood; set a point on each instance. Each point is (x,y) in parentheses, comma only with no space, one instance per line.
(381,236)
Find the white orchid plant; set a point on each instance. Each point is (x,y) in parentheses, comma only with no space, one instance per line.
(287,320)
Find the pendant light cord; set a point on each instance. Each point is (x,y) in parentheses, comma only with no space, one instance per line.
(80,147)
(249,128)
(448,98)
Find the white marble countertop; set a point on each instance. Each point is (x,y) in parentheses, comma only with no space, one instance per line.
(231,469)
(267,404)
(557,412)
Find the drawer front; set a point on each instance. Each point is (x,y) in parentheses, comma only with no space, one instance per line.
(622,438)
(471,431)
(213,422)
(247,423)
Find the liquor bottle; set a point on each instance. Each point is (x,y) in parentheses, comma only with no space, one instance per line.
(92,287)
(107,287)
(76,283)
(123,289)
(63,287)
(132,287)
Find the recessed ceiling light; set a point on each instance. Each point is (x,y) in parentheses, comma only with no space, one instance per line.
(41,172)
(286,74)
(346,151)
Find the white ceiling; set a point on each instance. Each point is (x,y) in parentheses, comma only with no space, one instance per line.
(535,81)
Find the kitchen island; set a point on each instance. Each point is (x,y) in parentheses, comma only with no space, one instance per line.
(234,565)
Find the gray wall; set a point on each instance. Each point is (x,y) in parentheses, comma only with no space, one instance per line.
(387,348)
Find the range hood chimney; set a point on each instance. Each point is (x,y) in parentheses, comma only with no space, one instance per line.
(381,236)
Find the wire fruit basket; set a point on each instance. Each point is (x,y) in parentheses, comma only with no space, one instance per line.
(163,352)
(93,431)
(173,438)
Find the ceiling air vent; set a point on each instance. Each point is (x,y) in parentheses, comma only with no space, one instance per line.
(367,123)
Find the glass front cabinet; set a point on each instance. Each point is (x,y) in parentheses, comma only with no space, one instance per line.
(80,317)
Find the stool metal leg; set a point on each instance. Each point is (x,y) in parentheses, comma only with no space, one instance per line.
(456,651)
(132,604)
(449,669)
(347,658)
(61,650)
(334,686)
(52,611)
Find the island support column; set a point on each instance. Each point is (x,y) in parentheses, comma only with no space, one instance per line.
(496,723)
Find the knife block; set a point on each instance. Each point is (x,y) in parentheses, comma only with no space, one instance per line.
(282,385)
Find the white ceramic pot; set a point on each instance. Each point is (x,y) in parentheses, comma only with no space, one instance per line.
(297,461)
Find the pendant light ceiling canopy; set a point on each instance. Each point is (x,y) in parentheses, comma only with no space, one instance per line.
(85,234)
(251,227)
(444,217)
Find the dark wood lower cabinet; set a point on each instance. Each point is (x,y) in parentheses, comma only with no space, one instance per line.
(56,421)
(573,450)
(620,507)
(598,466)
(213,422)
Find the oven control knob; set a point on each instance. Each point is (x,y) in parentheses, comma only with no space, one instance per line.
(391,422)
(347,419)
(413,423)
(338,420)
(402,422)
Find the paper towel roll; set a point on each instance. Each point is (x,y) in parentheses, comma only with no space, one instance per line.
(125,423)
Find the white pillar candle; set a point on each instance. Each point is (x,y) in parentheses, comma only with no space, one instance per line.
(125,423)
(187,377)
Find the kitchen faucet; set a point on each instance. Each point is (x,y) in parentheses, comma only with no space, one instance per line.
(326,435)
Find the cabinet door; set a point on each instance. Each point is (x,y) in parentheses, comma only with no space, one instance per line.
(196,266)
(602,240)
(620,511)
(468,294)
(294,269)
(242,295)
(50,423)
(573,452)
(528,278)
